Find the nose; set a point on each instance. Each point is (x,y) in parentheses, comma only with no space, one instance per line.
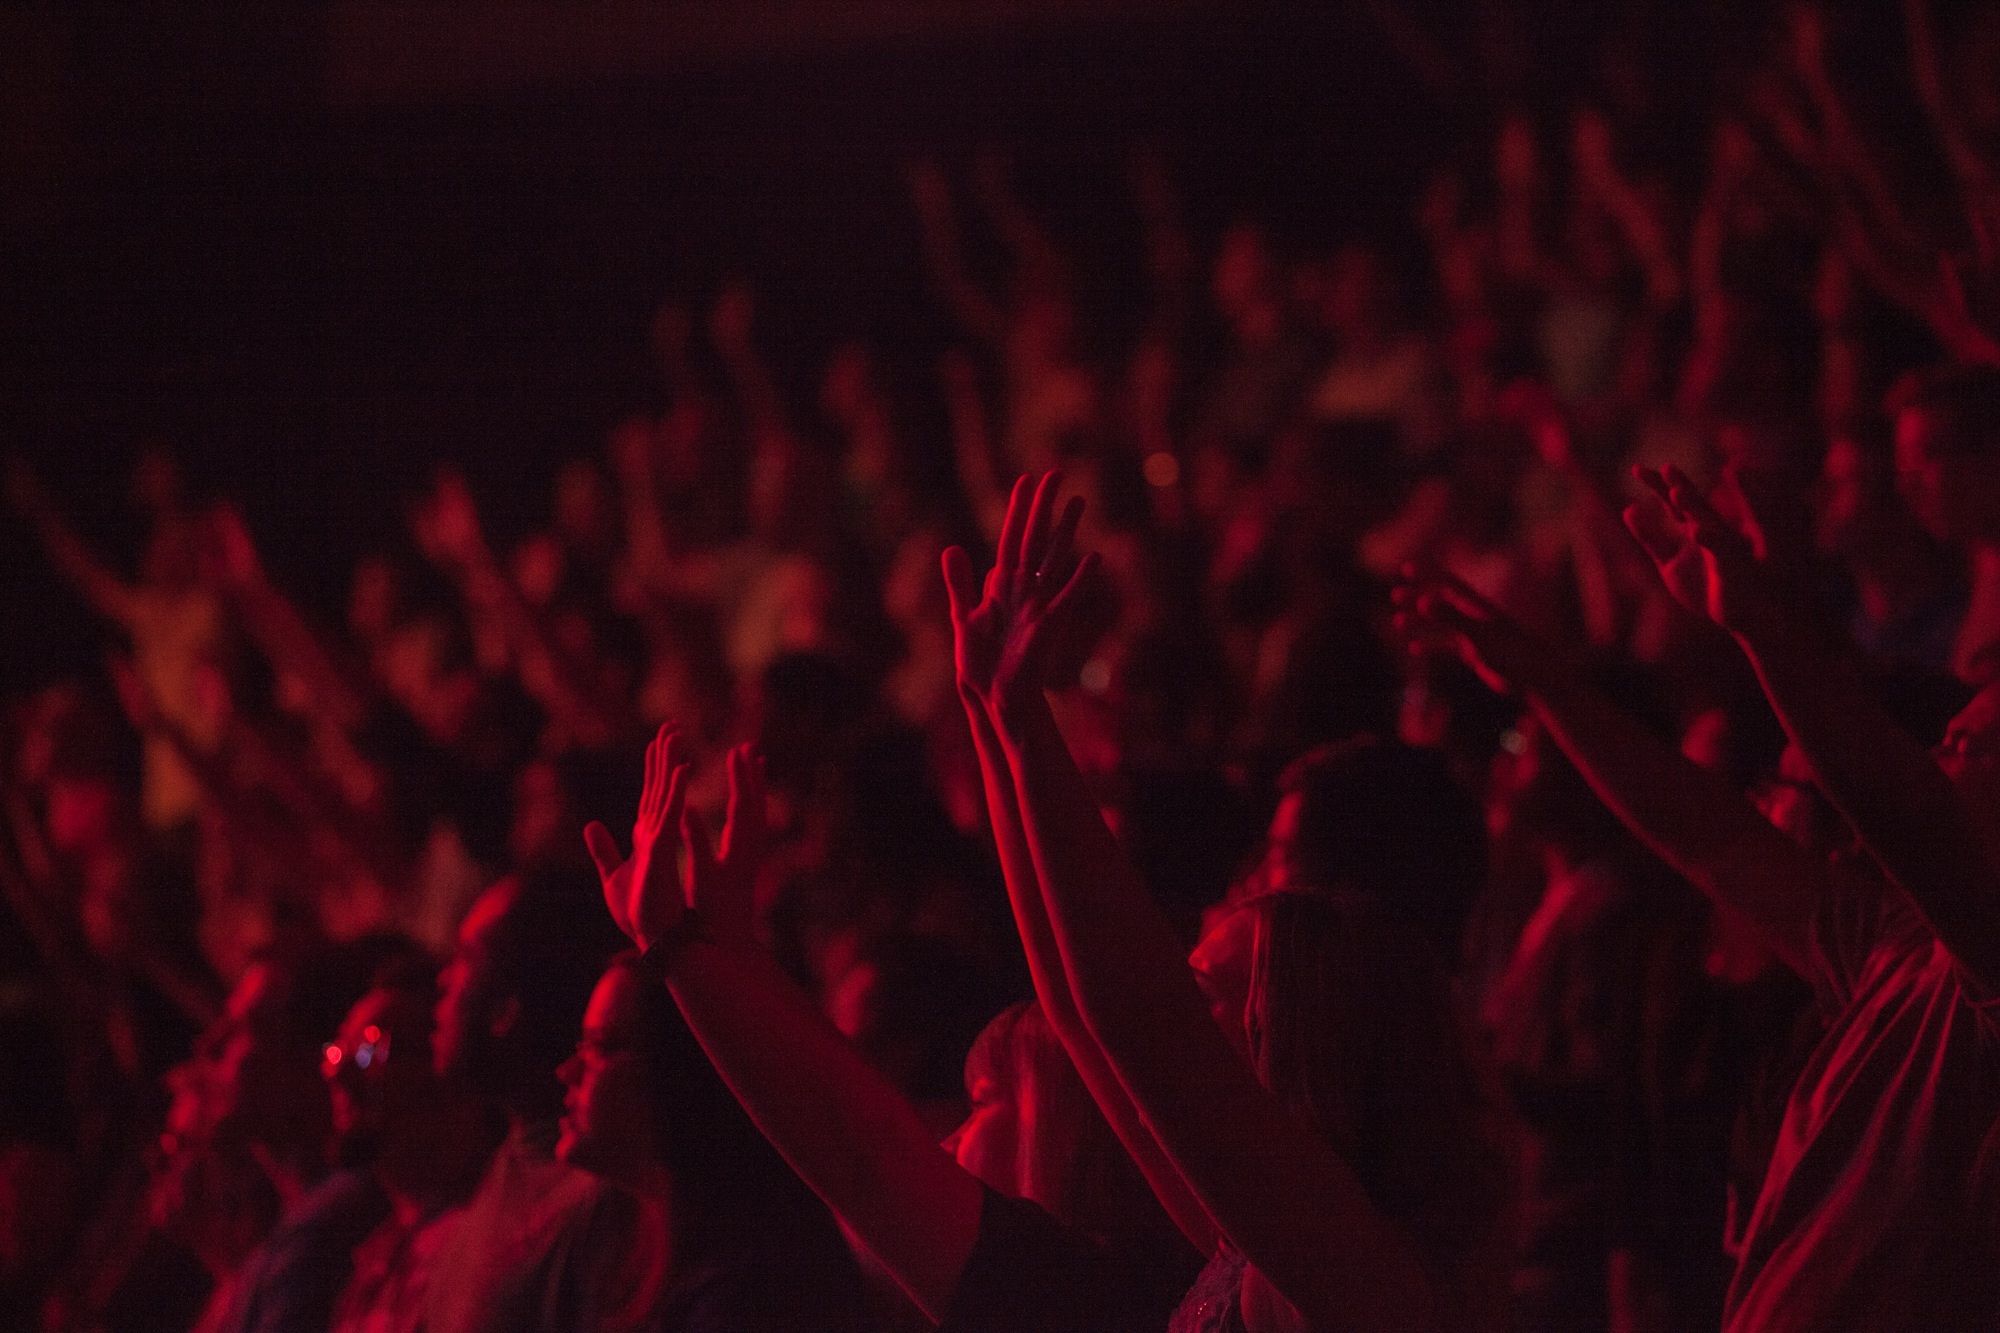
(569,1072)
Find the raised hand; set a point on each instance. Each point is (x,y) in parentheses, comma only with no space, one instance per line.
(1706,564)
(722,882)
(232,549)
(446,523)
(1436,612)
(1013,637)
(644,894)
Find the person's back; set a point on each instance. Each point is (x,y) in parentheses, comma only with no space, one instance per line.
(1871,1181)
(526,1249)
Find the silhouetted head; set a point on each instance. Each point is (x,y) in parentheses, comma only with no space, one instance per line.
(1948,451)
(512,996)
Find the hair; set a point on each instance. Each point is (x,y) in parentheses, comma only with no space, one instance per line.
(1074,1165)
(1352,1026)
(321,981)
(546,951)
(1389,822)
(1350,1015)
(1965,399)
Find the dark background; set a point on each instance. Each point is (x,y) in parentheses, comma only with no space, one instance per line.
(319,251)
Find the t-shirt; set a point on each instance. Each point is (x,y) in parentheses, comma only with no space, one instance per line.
(1868,1217)
(1031,1274)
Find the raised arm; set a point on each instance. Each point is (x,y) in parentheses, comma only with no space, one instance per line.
(1691,818)
(1906,811)
(977,312)
(850,1136)
(447,528)
(331,695)
(107,594)
(1275,1189)
(977,618)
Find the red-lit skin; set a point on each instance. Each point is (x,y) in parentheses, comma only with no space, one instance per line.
(1969,754)
(260,1088)
(992,1141)
(1215,1125)
(244,1108)
(1221,962)
(609,1124)
(425,1139)
(1949,485)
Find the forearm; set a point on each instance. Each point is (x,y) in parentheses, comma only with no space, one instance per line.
(1275,1189)
(850,1135)
(1121,959)
(295,649)
(1891,792)
(1045,969)
(1689,816)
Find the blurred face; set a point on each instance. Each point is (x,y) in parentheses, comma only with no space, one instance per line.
(1948,488)
(1970,755)
(992,1143)
(377,1068)
(82,813)
(1843,497)
(609,1123)
(258,1079)
(468,1009)
(1221,962)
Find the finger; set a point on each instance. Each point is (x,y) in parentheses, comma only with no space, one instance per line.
(1062,542)
(1650,525)
(677,785)
(702,867)
(653,795)
(742,833)
(1086,570)
(1041,514)
(603,849)
(1708,522)
(960,586)
(1652,480)
(1012,528)
(1464,597)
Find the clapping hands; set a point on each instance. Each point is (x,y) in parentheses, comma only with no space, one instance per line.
(646,894)
(1019,633)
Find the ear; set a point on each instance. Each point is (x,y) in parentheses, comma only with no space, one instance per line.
(506,1015)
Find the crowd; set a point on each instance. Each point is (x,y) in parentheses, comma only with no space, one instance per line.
(1545,668)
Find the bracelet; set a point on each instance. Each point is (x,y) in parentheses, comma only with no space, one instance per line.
(657,957)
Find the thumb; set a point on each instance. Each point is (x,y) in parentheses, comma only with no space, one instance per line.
(1648,523)
(959,584)
(603,848)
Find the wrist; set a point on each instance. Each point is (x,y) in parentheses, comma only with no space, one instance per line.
(658,955)
(1015,708)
